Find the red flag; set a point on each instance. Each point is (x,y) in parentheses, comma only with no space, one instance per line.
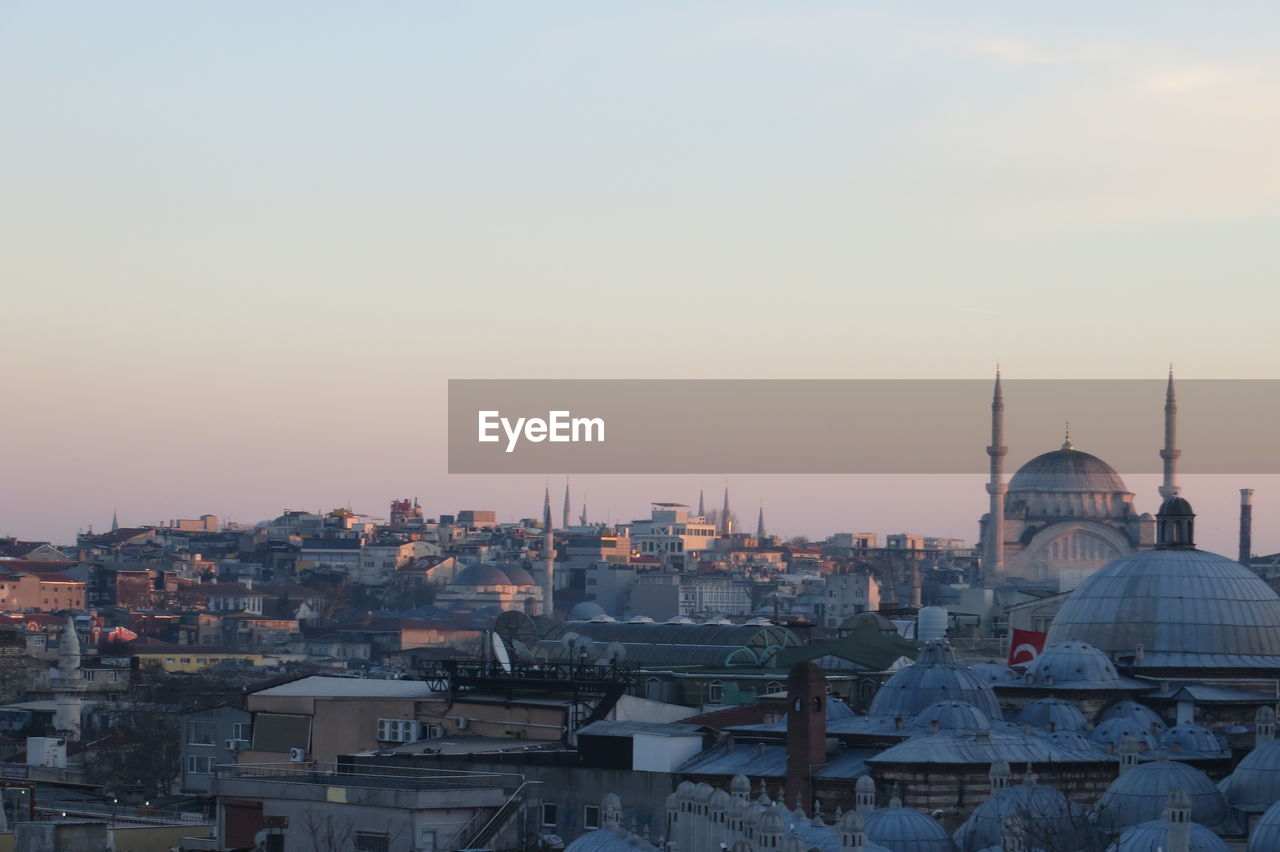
(1025,646)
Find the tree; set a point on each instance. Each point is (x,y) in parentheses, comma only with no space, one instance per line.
(142,751)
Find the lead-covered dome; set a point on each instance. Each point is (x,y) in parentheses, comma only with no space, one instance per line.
(1266,831)
(1056,819)
(934,676)
(1255,785)
(907,830)
(1153,836)
(482,574)
(1175,608)
(1068,471)
(1141,794)
(1052,714)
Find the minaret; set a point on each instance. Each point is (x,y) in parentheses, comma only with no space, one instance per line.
(1177,816)
(1246,526)
(548,554)
(702,506)
(996,488)
(566,503)
(1170,453)
(725,526)
(582,519)
(68,692)
(760,523)
(115,521)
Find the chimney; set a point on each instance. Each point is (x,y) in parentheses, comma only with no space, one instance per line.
(916,597)
(1246,525)
(806,732)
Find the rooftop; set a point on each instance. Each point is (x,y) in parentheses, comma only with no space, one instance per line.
(319,686)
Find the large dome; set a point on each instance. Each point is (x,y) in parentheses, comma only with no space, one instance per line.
(1184,608)
(1066,471)
(934,676)
(1142,793)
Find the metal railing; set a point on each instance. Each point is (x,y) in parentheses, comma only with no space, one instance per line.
(118,813)
(372,776)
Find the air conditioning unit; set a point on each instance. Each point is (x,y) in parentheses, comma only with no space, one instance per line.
(297,755)
(237,745)
(230,745)
(461,723)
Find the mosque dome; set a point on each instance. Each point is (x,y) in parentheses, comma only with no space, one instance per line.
(1193,740)
(482,574)
(1142,715)
(1052,711)
(1141,794)
(954,716)
(1113,731)
(907,830)
(610,840)
(521,577)
(934,676)
(1255,785)
(1266,831)
(1175,606)
(1072,664)
(771,822)
(1072,740)
(586,611)
(1153,836)
(1067,470)
(1055,817)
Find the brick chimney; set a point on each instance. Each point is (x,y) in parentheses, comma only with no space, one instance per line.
(1246,526)
(806,732)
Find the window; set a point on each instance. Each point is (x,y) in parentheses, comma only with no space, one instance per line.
(549,813)
(87,674)
(591,816)
(427,840)
(397,730)
(371,841)
(242,731)
(201,733)
(197,765)
(715,692)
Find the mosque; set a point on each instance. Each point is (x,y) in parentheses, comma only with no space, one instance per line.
(1065,513)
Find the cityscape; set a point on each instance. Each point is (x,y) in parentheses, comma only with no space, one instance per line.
(665,426)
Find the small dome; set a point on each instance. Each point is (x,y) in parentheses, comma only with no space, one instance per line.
(1067,471)
(585,611)
(483,574)
(720,800)
(1057,819)
(934,676)
(771,822)
(850,820)
(1191,740)
(1140,714)
(906,830)
(994,673)
(685,789)
(518,575)
(1255,785)
(954,716)
(1266,831)
(1153,836)
(1142,793)
(611,802)
(1072,740)
(1072,663)
(1113,732)
(1052,711)
(610,840)
(740,784)
(702,792)
(1176,507)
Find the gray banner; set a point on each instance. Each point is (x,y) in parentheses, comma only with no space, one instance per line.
(854,426)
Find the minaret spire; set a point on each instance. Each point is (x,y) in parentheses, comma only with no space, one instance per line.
(1170,453)
(725,526)
(566,503)
(760,523)
(702,508)
(549,557)
(115,521)
(996,488)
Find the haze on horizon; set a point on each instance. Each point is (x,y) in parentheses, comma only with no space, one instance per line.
(246,246)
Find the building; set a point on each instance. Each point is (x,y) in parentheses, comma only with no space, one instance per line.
(39,586)
(211,738)
(1065,510)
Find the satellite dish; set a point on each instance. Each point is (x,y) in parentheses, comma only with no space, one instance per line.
(614,654)
(522,652)
(581,648)
(514,625)
(500,652)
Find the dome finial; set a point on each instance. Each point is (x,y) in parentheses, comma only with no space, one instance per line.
(1066,443)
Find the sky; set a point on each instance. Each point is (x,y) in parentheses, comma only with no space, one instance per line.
(246,245)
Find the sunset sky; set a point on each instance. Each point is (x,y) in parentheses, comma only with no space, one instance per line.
(246,245)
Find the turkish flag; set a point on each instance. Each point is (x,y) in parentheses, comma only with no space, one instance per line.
(1025,646)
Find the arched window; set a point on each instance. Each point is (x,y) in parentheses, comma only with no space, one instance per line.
(715,692)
